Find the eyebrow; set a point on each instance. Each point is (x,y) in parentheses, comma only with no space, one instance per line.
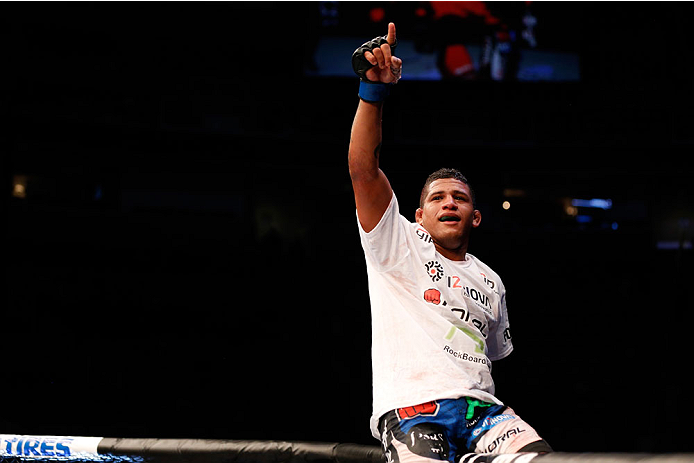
(440,192)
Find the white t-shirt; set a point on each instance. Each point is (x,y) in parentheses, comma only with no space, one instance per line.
(436,323)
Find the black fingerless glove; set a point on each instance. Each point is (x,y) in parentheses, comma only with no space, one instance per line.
(359,62)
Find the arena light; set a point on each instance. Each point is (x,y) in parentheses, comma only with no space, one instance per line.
(595,203)
(673,245)
(19,186)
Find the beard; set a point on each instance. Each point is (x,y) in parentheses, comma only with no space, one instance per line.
(451,243)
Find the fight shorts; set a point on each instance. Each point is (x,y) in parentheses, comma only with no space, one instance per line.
(446,429)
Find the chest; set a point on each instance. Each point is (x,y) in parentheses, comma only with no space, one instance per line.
(471,289)
(461,291)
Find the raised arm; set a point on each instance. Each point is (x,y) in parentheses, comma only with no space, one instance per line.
(372,191)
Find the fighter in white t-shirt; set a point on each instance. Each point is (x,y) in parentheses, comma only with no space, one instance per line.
(438,313)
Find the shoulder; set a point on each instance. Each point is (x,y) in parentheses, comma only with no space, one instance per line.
(390,241)
(390,217)
(490,276)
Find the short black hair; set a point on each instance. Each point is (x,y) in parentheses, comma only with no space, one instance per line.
(446,172)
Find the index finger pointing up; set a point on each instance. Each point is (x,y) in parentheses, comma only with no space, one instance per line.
(391,34)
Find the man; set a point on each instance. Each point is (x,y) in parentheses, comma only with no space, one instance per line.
(438,313)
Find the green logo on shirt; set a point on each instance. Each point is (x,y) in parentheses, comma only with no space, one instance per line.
(479,342)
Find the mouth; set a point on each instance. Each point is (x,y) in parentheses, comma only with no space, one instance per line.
(449,218)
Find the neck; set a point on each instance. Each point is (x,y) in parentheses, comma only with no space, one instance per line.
(452,254)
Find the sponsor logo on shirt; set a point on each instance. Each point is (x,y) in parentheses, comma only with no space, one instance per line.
(424,236)
(467,357)
(489,282)
(434,270)
(480,299)
(465,316)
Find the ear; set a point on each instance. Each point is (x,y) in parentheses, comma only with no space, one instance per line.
(476,218)
(418,215)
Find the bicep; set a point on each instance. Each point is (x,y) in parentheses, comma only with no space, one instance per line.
(372,195)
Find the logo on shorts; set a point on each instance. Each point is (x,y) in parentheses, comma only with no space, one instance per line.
(490,422)
(435,270)
(426,409)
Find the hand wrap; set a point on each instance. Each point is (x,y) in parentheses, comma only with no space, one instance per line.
(368,89)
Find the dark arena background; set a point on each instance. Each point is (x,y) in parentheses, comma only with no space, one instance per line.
(182,257)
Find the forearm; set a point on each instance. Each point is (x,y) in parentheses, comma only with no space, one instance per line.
(365,141)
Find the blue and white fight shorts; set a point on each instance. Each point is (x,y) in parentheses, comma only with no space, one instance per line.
(446,429)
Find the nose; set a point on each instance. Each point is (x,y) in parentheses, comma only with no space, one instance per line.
(450,203)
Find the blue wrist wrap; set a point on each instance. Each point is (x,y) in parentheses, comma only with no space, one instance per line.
(373,92)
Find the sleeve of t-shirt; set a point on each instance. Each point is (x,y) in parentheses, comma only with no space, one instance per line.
(499,343)
(386,245)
